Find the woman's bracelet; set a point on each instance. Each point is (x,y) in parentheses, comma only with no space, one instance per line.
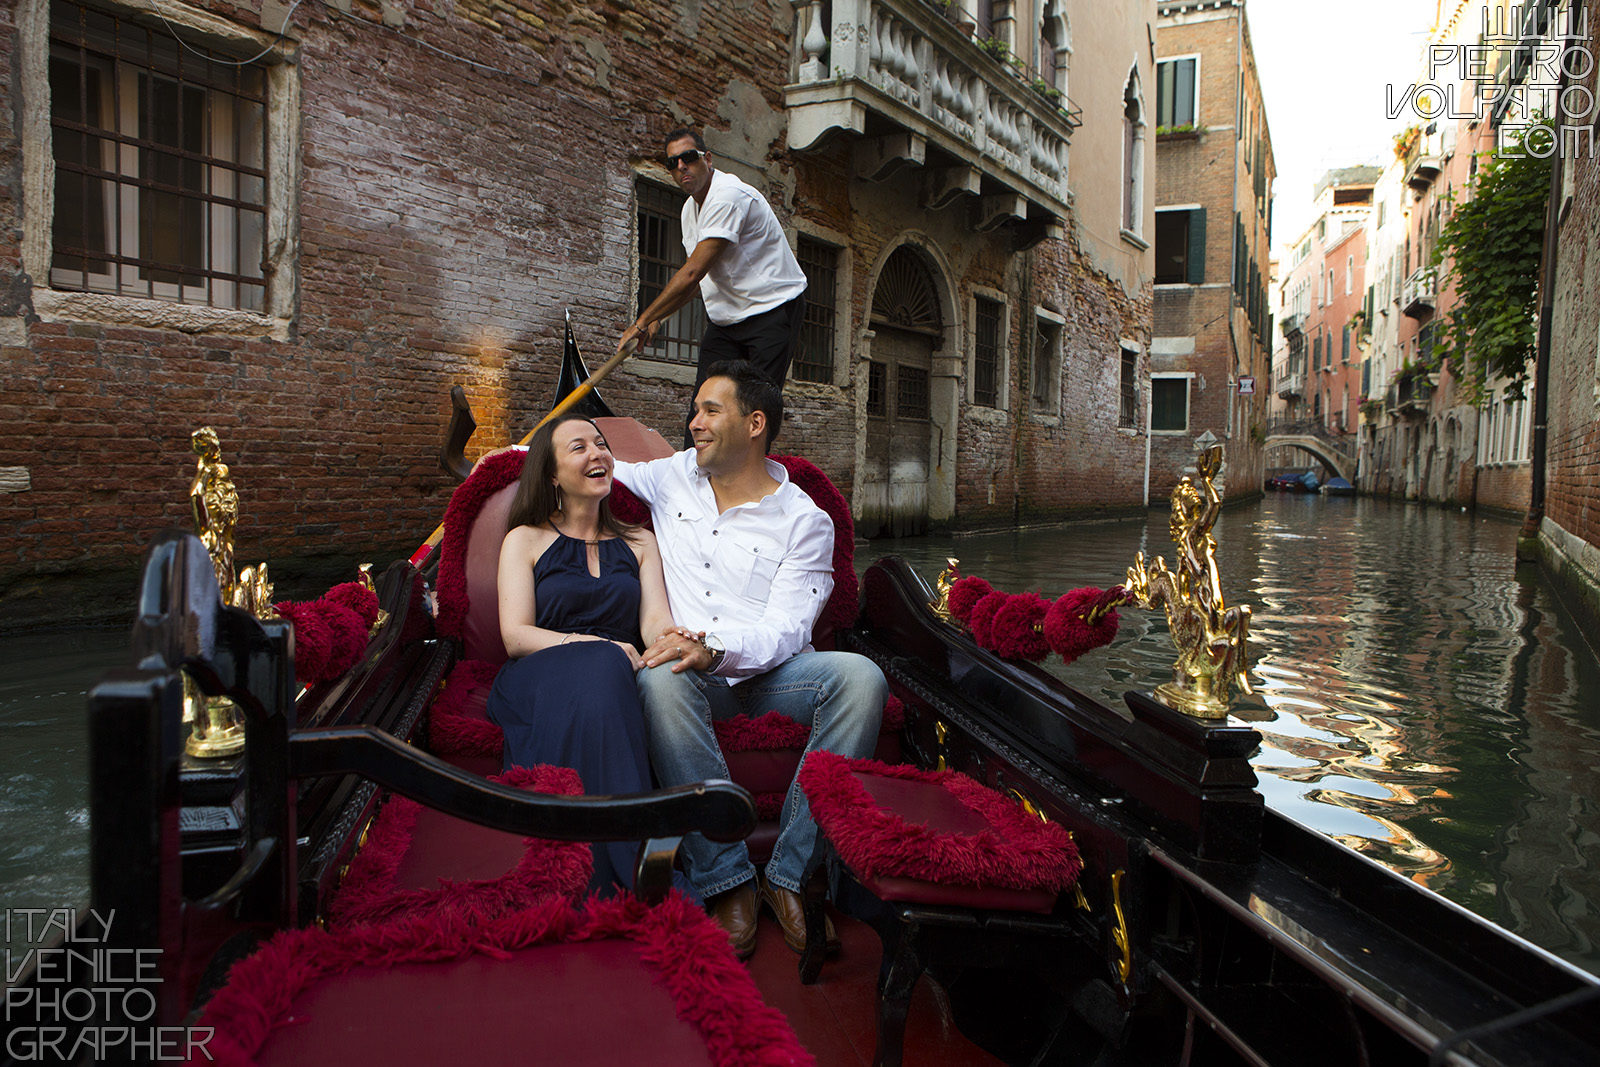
(567,638)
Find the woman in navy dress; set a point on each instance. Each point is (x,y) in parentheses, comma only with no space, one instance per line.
(577,589)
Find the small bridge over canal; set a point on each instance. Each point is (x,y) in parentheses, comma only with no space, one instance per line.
(1335,451)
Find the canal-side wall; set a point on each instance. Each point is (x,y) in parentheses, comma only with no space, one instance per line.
(445,184)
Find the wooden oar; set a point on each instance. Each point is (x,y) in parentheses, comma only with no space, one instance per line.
(566,405)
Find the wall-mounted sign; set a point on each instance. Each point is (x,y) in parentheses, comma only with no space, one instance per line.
(1247,385)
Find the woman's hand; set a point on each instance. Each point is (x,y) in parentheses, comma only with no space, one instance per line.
(635,660)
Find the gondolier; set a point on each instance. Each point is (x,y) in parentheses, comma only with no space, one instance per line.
(752,284)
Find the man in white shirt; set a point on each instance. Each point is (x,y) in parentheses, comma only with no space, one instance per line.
(739,261)
(749,565)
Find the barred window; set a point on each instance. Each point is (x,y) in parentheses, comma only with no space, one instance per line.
(911,392)
(160,161)
(877,386)
(660,255)
(986,352)
(814,360)
(1127,411)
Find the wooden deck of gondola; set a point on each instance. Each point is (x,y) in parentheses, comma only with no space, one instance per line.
(836,1019)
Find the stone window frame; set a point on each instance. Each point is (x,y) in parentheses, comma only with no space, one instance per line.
(282,153)
(1187,376)
(1135,126)
(1045,320)
(646,364)
(843,287)
(1129,425)
(1194,103)
(1002,400)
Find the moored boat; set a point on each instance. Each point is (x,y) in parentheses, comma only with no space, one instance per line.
(1205,928)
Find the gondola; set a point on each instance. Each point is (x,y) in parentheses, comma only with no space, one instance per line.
(1204,928)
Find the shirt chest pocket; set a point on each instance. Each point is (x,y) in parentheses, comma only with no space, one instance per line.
(753,564)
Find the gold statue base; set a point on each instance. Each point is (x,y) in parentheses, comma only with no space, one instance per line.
(214,729)
(1190,702)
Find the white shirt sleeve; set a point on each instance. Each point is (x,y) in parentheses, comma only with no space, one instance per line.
(800,588)
(723,215)
(643,480)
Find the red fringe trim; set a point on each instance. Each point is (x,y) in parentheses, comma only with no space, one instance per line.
(456,725)
(690,954)
(1017,852)
(494,473)
(764,733)
(547,868)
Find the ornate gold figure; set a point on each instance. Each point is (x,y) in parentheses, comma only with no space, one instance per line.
(364,576)
(947,578)
(214,501)
(1211,637)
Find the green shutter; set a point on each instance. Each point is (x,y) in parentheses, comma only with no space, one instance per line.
(1197,246)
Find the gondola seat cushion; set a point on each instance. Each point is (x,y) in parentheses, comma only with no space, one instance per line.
(937,837)
(418,862)
(607,982)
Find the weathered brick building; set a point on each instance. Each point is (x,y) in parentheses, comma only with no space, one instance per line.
(1214,171)
(303,224)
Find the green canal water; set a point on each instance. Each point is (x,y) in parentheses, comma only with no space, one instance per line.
(1421,698)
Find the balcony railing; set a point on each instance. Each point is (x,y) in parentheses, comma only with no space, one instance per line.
(1409,396)
(1291,385)
(1001,133)
(1293,324)
(1418,294)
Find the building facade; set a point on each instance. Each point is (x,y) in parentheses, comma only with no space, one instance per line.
(1214,173)
(303,225)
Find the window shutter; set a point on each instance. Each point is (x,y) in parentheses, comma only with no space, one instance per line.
(1197,246)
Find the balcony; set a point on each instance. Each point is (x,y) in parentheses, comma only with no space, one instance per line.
(1418,295)
(1291,385)
(916,90)
(1425,157)
(1409,396)
(1293,324)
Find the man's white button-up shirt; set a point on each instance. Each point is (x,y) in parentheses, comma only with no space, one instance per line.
(756,576)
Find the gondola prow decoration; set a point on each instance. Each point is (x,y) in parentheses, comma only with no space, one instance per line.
(1211,637)
(215,730)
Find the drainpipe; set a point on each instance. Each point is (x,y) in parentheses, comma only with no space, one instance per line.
(1527,540)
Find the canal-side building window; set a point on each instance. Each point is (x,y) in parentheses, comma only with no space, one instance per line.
(1176,98)
(1128,394)
(1180,246)
(660,255)
(1046,391)
(813,362)
(161,151)
(877,389)
(1133,137)
(1169,403)
(988,352)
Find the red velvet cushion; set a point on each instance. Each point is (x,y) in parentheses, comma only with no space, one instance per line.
(547,984)
(458,725)
(937,827)
(480,629)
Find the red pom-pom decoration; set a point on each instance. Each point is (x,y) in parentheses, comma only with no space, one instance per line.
(349,639)
(313,638)
(1065,629)
(964,594)
(358,598)
(1013,628)
(981,620)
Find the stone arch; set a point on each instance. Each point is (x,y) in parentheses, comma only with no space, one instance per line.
(1055,44)
(939,328)
(1135,126)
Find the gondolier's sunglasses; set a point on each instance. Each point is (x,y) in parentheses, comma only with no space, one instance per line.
(689,158)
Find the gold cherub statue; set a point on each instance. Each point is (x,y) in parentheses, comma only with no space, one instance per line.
(1211,637)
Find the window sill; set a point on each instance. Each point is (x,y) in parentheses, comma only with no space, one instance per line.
(664,370)
(54,305)
(992,416)
(1135,240)
(1128,431)
(1169,433)
(1046,418)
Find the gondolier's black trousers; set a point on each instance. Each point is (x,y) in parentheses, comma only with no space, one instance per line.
(768,340)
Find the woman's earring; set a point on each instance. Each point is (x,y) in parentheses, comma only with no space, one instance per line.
(561,500)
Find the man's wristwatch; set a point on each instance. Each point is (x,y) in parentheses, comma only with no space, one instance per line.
(714,646)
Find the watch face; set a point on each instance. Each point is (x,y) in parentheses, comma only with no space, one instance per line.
(711,642)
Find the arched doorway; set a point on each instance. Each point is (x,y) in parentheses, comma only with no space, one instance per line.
(908,328)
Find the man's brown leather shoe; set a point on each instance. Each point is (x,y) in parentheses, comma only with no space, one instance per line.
(735,911)
(790,911)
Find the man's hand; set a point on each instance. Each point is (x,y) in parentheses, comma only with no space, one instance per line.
(643,335)
(681,645)
(635,660)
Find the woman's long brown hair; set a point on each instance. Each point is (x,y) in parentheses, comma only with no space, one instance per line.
(535,499)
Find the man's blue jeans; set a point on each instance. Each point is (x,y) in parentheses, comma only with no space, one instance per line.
(839,695)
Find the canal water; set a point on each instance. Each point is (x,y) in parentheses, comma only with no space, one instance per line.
(1421,699)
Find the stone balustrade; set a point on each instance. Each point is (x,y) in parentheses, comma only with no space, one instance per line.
(926,85)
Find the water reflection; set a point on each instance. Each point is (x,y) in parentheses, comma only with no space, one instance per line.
(1420,699)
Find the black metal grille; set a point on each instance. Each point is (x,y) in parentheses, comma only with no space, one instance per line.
(911,392)
(1044,366)
(1126,413)
(877,386)
(814,361)
(160,157)
(660,255)
(986,352)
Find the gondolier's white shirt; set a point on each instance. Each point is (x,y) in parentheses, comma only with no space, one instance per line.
(757,271)
(756,576)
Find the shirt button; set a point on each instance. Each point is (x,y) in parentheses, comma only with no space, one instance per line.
(713,618)
(708,566)
(708,592)
(758,552)
(715,532)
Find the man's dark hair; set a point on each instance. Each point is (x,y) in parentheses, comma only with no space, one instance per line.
(682,132)
(754,391)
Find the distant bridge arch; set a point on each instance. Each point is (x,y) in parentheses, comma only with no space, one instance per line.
(1340,463)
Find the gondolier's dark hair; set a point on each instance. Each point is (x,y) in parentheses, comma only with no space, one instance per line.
(755,392)
(535,499)
(685,131)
